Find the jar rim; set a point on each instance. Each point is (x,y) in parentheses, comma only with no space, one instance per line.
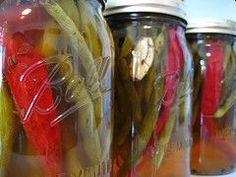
(169,7)
(211,25)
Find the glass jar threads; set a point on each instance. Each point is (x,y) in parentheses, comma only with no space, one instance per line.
(213,46)
(153,74)
(56,59)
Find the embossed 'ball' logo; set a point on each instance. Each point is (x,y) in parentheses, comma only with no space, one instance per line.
(62,73)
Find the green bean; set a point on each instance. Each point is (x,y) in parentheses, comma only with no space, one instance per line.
(7,127)
(73,164)
(126,48)
(50,39)
(149,83)
(69,6)
(89,28)
(128,84)
(86,59)
(229,102)
(159,43)
(95,45)
(86,122)
(130,89)
(229,87)
(185,83)
(229,77)
(197,82)
(123,127)
(177,109)
(164,139)
(144,133)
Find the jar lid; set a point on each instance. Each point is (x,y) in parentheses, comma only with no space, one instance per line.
(169,7)
(211,25)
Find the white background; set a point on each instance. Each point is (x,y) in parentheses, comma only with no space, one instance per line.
(223,9)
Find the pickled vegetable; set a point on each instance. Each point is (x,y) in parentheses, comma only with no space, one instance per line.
(213,98)
(150,87)
(33,89)
(7,127)
(56,89)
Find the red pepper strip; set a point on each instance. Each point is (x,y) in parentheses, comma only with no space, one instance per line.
(175,64)
(211,93)
(211,90)
(30,87)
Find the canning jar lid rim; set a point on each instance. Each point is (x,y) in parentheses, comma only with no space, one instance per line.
(211,25)
(169,7)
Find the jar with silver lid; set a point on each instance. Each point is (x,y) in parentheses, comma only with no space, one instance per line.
(153,72)
(213,46)
(56,89)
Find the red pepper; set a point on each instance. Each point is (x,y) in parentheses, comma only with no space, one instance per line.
(210,98)
(28,79)
(211,91)
(174,67)
(211,94)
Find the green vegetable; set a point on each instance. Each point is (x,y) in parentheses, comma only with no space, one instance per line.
(7,126)
(90,26)
(186,80)
(86,122)
(70,7)
(86,59)
(144,131)
(159,42)
(129,88)
(164,139)
(228,98)
(228,73)
(229,102)
(197,81)
(174,67)
(122,128)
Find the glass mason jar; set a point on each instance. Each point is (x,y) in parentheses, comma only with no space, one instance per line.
(153,71)
(213,46)
(56,59)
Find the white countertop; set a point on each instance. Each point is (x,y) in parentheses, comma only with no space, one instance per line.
(228,175)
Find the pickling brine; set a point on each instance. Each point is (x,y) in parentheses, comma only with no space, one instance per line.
(56,82)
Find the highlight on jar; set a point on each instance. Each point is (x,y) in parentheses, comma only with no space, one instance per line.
(56,89)
(153,71)
(212,43)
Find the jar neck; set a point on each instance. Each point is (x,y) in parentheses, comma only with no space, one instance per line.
(204,36)
(159,19)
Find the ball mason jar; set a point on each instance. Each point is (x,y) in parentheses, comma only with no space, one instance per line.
(213,45)
(56,59)
(153,72)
